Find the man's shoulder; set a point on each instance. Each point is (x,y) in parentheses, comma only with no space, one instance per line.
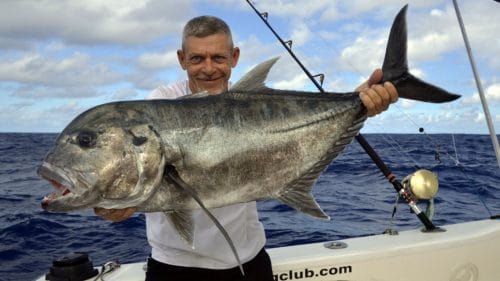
(170,91)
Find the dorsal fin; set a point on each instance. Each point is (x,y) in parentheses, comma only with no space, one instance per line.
(201,94)
(255,78)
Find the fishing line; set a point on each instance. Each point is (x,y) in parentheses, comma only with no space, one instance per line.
(458,164)
(431,139)
(455,160)
(395,145)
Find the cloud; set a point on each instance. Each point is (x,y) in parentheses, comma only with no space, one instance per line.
(92,22)
(296,82)
(300,34)
(124,94)
(76,69)
(49,119)
(492,94)
(68,92)
(162,60)
(290,9)
(364,53)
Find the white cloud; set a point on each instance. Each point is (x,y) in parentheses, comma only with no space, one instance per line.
(92,22)
(492,93)
(290,8)
(76,69)
(296,82)
(364,53)
(51,119)
(67,92)
(124,94)
(158,60)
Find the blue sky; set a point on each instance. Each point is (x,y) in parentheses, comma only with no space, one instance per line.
(59,58)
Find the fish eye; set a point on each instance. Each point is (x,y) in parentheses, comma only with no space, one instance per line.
(86,139)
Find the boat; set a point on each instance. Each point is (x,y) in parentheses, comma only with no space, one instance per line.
(466,251)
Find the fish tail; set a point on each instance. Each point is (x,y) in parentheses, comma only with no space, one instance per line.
(395,67)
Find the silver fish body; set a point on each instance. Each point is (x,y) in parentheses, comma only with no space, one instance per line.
(235,147)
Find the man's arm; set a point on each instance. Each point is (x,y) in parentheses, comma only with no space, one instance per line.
(377,97)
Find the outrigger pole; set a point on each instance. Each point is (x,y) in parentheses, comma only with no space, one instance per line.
(410,200)
(479,86)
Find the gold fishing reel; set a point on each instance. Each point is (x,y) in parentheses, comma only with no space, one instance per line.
(422,184)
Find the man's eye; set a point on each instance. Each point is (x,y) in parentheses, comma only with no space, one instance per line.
(195,59)
(86,139)
(220,59)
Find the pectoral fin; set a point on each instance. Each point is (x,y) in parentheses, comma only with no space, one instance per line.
(173,177)
(183,223)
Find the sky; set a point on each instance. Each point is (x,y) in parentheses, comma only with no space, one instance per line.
(59,58)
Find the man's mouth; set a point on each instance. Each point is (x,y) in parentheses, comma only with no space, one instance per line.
(210,79)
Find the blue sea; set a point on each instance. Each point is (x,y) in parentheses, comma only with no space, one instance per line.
(352,191)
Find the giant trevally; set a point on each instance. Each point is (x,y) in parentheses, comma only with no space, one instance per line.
(249,143)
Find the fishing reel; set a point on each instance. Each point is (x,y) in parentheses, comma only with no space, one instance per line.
(422,185)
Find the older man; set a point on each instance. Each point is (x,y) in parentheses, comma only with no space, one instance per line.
(208,56)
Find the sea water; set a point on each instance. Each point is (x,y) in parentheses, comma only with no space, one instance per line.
(352,191)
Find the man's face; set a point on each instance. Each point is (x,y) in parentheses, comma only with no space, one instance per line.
(208,62)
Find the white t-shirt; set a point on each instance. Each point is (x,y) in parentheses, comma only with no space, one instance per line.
(211,250)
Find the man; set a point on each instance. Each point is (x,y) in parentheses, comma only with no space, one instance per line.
(208,56)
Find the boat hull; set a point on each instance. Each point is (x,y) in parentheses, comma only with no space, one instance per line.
(467,251)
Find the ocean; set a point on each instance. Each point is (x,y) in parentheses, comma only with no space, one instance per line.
(352,191)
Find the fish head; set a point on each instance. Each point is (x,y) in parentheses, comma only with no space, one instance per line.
(104,158)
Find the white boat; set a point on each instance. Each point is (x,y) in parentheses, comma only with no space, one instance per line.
(463,252)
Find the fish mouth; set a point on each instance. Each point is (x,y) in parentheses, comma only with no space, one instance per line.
(61,190)
(65,190)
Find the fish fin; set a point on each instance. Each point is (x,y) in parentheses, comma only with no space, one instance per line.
(410,87)
(298,193)
(201,94)
(174,178)
(255,79)
(299,197)
(395,67)
(183,223)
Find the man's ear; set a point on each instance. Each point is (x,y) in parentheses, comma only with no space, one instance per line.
(235,56)
(182,58)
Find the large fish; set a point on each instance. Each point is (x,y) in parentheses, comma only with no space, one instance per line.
(249,143)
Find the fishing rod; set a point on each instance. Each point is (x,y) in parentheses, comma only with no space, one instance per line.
(404,193)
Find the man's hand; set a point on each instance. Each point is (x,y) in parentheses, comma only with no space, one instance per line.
(377,97)
(115,215)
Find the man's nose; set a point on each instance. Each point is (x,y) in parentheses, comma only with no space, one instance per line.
(208,67)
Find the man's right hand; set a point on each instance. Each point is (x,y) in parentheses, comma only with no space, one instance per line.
(115,215)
